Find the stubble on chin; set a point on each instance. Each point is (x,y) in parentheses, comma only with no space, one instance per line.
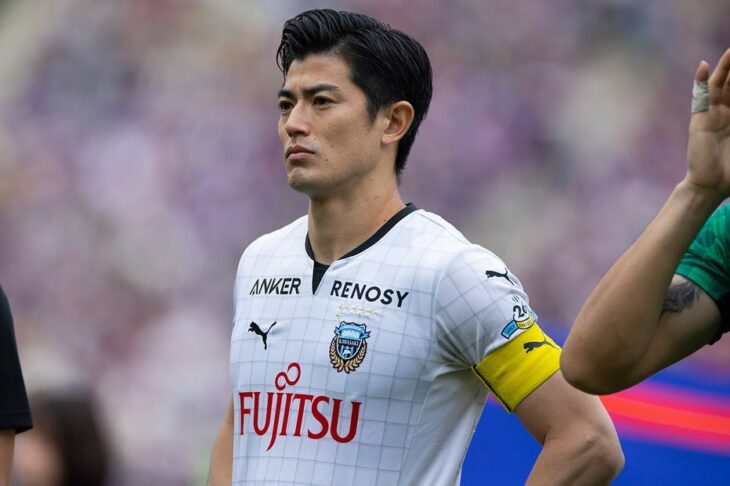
(312,187)
(301,183)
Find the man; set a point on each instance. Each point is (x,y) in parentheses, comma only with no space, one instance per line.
(648,312)
(14,409)
(368,333)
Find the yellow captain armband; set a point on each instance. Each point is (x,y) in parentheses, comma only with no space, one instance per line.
(516,369)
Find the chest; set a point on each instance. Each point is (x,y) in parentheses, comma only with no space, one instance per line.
(360,332)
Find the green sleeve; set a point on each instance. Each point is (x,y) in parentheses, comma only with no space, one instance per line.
(707,261)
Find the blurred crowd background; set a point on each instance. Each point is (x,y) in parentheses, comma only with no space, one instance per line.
(139,156)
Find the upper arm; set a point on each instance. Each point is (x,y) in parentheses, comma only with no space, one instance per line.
(7,441)
(689,320)
(221,462)
(485,322)
(580,445)
(229,414)
(556,410)
(226,428)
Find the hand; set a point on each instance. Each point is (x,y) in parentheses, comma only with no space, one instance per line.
(708,149)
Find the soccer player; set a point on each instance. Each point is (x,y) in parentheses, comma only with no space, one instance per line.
(660,302)
(14,409)
(368,333)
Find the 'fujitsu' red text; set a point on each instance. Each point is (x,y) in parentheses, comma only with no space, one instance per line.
(325,410)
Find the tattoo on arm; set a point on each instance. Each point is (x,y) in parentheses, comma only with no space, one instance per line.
(680,296)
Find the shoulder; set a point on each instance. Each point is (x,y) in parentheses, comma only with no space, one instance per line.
(6,319)
(722,212)
(716,229)
(287,236)
(719,221)
(3,300)
(288,240)
(435,225)
(430,231)
(7,331)
(457,249)
(713,240)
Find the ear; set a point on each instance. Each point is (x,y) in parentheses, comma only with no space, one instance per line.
(398,119)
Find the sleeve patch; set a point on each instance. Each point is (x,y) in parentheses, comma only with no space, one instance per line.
(516,369)
(522,318)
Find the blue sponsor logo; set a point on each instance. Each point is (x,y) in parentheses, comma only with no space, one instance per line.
(509,330)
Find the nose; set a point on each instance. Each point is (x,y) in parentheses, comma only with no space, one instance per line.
(297,123)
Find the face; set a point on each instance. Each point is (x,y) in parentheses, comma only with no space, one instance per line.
(330,143)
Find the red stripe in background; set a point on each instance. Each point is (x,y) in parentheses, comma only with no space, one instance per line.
(676,416)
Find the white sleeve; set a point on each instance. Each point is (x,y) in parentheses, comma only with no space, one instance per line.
(484,321)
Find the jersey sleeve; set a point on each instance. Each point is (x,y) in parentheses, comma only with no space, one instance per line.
(707,263)
(14,408)
(484,321)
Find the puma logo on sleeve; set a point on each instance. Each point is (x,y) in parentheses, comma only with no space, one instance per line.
(505,275)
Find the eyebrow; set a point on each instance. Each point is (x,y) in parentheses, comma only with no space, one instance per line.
(308,92)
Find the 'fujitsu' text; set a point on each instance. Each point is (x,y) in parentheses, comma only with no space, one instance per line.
(325,410)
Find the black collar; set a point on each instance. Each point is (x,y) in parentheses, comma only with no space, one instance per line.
(319,269)
(382,231)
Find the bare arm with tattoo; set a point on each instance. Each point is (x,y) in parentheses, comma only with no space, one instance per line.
(688,320)
(680,296)
(641,317)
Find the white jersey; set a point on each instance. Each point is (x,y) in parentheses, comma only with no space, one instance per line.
(379,374)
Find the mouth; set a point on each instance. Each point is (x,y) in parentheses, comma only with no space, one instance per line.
(297,152)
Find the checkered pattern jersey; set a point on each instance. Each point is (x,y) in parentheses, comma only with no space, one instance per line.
(380,374)
(707,263)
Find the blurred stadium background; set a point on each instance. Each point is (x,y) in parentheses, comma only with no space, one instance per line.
(138,157)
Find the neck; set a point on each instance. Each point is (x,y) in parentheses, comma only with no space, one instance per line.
(339,225)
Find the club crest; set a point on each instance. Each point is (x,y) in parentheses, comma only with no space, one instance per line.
(348,347)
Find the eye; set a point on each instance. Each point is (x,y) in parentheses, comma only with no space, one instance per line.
(321,101)
(285,105)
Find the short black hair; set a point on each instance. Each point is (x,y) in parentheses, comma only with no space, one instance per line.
(386,64)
